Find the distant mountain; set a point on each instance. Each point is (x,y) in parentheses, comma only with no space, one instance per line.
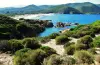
(62,9)
(27,9)
(45,6)
(85,7)
(71,8)
(98,5)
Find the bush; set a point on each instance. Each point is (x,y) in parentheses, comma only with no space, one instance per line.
(80,33)
(44,39)
(59,60)
(68,44)
(53,35)
(49,51)
(68,33)
(96,42)
(4,45)
(15,45)
(86,40)
(80,47)
(92,50)
(31,43)
(61,39)
(70,49)
(84,57)
(29,57)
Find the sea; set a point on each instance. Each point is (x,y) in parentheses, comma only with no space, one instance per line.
(71,18)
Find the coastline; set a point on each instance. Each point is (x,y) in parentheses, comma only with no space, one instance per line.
(31,16)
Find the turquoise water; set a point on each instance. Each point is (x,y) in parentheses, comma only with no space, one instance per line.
(79,18)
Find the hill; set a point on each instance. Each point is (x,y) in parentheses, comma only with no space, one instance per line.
(73,8)
(62,9)
(85,7)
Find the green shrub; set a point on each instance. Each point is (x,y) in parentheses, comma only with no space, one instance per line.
(74,47)
(61,39)
(96,29)
(29,57)
(68,44)
(15,45)
(86,40)
(59,60)
(80,33)
(92,50)
(68,33)
(80,47)
(84,57)
(49,51)
(53,35)
(44,39)
(96,23)
(21,52)
(96,42)
(70,49)
(4,45)
(31,43)
(52,60)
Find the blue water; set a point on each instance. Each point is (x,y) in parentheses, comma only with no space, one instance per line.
(74,18)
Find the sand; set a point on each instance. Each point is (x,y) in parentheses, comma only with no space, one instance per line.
(31,16)
(59,48)
(6,59)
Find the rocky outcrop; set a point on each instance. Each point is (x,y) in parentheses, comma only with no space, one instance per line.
(61,24)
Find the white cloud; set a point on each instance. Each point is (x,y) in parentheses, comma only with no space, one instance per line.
(13,3)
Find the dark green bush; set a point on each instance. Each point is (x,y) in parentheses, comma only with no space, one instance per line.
(74,47)
(44,39)
(84,57)
(70,49)
(29,57)
(15,45)
(68,44)
(86,40)
(53,35)
(92,50)
(61,39)
(96,42)
(80,33)
(4,45)
(31,43)
(59,60)
(49,51)
(80,47)
(68,33)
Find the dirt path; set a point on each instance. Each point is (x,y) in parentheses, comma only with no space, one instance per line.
(59,48)
(6,59)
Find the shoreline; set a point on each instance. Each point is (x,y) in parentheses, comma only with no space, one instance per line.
(31,16)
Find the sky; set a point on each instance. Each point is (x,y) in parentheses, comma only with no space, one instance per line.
(20,3)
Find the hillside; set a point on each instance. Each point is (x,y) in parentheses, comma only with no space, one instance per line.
(62,9)
(11,28)
(86,7)
(98,5)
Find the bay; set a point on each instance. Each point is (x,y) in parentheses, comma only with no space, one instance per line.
(73,18)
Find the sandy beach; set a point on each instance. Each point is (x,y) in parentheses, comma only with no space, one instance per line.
(31,16)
